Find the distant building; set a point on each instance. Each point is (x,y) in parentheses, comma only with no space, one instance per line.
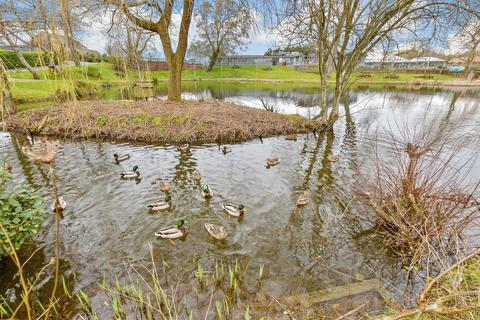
(427,63)
(456,61)
(276,59)
(396,62)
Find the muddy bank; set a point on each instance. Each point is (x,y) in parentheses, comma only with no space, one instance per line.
(158,121)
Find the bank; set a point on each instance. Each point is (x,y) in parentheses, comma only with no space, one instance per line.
(158,121)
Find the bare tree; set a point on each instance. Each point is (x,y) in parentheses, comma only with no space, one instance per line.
(129,40)
(469,37)
(156,16)
(224,26)
(344,31)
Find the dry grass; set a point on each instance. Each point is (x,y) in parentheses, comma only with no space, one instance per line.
(158,121)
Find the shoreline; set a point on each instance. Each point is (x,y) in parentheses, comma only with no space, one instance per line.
(418,84)
(194,122)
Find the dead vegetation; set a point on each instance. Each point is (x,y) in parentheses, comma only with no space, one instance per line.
(158,121)
(423,205)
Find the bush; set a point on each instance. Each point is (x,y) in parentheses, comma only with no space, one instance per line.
(93,71)
(85,89)
(21,214)
(11,60)
(92,57)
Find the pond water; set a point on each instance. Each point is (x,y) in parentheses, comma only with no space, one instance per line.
(326,244)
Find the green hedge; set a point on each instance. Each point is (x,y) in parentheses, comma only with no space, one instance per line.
(11,60)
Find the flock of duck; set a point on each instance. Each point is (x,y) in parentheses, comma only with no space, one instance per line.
(179,230)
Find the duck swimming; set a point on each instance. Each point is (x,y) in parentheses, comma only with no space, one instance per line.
(272,162)
(183,147)
(226,149)
(197,176)
(304,198)
(291,137)
(333,158)
(206,192)
(120,158)
(134,174)
(62,204)
(173,232)
(233,210)
(161,205)
(164,186)
(217,232)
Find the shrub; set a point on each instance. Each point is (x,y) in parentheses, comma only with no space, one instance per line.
(85,89)
(11,60)
(21,214)
(93,71)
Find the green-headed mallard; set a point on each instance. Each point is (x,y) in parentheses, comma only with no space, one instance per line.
(234,210)
(304,198)
(61,204)
(206,192)
(120,158)
(333,158)
(172,232)
(226,149)
(134,174)
(217,232)
(183,147)
(161,205)
(197,176)
(291,137)
(272,162)
(164,186)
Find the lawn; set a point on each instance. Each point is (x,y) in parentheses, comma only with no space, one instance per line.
(24,88)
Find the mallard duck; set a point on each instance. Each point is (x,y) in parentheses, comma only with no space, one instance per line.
(206,192)
(217,232)
(62,204)
(7,167)
(120,158)
(164,186)
(272,162)
(183,147)
(233,210)
(291,137)
(161,205)
(197,175)
(134,174)
(226,149)
(304,198)
(172,232)
(333,158)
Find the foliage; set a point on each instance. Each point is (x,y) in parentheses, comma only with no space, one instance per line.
(94,72)
(21,214)
(85,89)
(11,60)
(299,48)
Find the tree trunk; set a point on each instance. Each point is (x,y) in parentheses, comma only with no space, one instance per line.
(212,60)
(175,80)
(27,65)
(8,107)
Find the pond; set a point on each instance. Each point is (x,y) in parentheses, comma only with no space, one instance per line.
(326,244)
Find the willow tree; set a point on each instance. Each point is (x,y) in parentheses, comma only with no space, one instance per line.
(156,16)
(344,31)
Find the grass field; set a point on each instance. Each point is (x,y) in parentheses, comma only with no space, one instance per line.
(25,89)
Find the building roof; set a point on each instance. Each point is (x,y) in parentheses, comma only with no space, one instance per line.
(456,60)
(426,59)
